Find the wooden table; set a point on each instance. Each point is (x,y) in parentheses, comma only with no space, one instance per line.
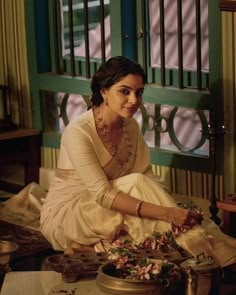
(21,146)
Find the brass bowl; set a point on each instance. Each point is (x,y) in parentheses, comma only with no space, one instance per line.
(6,250)
(109,283)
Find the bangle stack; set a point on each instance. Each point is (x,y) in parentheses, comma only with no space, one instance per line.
(138,206)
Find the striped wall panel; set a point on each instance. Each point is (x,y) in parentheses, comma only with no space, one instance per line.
(13,59)
(229,93)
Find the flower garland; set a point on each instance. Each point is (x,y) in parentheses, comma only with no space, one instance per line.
(164,242)
(128,266)
(177,230)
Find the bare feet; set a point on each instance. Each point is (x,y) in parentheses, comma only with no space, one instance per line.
(78,248)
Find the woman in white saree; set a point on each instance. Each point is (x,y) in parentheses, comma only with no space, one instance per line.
(104,183)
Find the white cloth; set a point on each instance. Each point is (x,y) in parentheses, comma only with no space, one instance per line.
(24,208)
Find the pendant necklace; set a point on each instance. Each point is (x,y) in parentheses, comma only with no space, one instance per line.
(104,132)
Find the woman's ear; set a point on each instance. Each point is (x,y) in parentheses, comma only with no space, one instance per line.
(104,95)
(103,92)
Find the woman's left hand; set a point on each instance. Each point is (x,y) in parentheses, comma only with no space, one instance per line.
(194,217)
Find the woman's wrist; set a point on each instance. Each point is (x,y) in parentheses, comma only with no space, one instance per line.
(163,213)
(148,210)
(138,209)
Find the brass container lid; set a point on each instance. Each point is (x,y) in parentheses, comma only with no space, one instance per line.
(200,263)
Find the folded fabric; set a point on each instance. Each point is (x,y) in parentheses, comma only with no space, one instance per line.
(24,207)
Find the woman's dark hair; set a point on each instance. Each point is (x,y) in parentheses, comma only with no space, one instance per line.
(111,72)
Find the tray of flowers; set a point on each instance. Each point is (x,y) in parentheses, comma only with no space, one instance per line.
(131,274)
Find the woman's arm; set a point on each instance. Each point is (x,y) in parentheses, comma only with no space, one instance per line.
(178,216)
(81,148)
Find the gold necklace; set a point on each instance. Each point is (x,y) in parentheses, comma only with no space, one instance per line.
(107,139)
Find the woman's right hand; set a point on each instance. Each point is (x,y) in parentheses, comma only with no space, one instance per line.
(183,218)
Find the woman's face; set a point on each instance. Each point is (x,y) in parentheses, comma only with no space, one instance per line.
(125,97)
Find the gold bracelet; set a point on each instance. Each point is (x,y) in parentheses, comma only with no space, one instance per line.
(138,206)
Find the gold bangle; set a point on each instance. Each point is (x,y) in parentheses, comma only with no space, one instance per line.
(138,206)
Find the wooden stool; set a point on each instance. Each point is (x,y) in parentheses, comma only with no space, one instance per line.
(229,214)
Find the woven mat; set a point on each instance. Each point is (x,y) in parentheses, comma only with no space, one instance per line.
(29,241)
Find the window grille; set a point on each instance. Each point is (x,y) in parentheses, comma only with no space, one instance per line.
(173,35)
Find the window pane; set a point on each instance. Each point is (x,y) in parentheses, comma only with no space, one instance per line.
(171,34)
(94,34)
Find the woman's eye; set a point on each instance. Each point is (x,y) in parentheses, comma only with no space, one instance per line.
(139,93)
(124,91)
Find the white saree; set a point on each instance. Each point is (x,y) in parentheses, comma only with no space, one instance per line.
(78,205)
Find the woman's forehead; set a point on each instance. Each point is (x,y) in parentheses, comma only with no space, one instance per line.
(129,80)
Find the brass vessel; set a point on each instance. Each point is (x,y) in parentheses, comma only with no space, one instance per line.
(6,250)
(203,274)
(110,284)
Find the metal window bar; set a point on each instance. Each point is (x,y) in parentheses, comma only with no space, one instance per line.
(143,34)
(162,42)
(71,37)
(153,74)
(198,44)
(180,43)
(103,45)
(55,34)
(86,37)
